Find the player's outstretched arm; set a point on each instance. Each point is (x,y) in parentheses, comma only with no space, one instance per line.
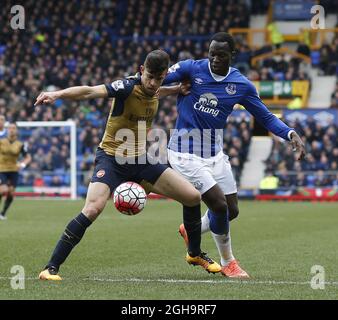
(72,93)
(258,109)
(182,88)
(168,91)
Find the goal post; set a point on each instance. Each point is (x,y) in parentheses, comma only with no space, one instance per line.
(30,125)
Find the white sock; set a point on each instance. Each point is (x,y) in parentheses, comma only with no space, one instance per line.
(223,243)
(205,227)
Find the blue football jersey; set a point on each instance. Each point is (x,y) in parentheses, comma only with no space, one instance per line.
(203,113)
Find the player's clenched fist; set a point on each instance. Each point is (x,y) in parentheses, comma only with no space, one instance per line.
(46,98)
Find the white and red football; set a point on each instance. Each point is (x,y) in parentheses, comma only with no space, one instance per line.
(130,198)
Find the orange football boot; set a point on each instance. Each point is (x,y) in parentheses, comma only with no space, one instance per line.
(202,260)
(233,270)
(183,234)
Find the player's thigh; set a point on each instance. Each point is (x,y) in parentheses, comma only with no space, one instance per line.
(173,185)
(194,170)
(215,200)
(11,190)
(103,182)
(3,188)
(12,182)
(232,202)
(3,182)
(97,196)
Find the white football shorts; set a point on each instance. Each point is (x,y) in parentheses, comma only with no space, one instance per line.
(204,173)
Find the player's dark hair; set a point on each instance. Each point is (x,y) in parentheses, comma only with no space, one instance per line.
(224,37)
(157,61)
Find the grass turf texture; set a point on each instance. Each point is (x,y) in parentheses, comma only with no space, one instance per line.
(124,257)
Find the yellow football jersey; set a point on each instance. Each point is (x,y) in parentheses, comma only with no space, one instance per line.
(9,154)
(129,119)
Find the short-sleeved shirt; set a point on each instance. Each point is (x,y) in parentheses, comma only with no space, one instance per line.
(131,115)
(10,152)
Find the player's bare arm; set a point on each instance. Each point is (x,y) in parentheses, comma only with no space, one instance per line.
(25,162)
(185,87)
(298,145)
(182,88)
(72,93)
(168,91)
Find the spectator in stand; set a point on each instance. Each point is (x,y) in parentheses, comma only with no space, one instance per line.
(56,181)
(321,142)
(303,48)
(268,184)
(328,59)
(334,97)
(322,180)
(300,180)
(285,180)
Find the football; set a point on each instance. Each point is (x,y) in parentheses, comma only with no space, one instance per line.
(130,198)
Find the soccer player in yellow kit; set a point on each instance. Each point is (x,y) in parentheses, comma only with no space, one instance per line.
(135,99)
(10,150)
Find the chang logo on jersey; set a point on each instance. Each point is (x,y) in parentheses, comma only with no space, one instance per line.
(207,104)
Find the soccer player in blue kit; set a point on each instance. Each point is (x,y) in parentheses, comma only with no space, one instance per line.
(195,149)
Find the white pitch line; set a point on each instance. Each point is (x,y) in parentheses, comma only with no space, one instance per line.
(267,282)
(253,282)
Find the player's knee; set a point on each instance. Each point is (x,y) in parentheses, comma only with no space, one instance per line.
(233,212)
(4,189)
(219,206)
(93,208)
(193,198)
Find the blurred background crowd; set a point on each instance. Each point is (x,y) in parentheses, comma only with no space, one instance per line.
(322,141)
(69,43)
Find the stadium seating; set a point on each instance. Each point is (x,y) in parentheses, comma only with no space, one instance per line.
(319,170)
(101,41)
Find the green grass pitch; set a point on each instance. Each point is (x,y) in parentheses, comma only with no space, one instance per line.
(142,257)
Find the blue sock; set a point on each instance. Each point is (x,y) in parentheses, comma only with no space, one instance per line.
(69,239)
(219,223)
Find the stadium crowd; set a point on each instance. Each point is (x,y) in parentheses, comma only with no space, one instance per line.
(320,168)
(67,44)
(334,97)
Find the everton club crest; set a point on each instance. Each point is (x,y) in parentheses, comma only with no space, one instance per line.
(230,88)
